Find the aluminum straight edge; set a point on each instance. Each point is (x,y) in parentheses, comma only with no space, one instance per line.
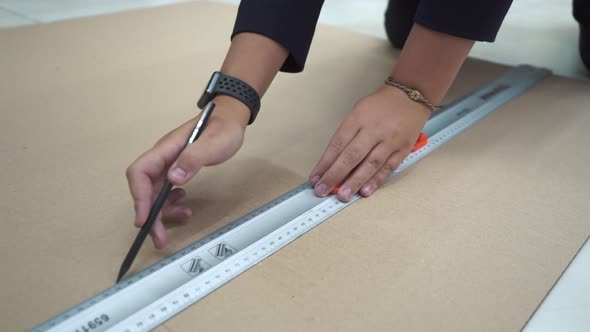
(196,289)
(524,77)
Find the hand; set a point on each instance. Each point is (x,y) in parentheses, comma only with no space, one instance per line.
(370,144)
(221,139)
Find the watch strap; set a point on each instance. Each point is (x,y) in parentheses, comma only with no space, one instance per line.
(234,87)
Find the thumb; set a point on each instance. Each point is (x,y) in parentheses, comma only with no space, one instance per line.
(189,163)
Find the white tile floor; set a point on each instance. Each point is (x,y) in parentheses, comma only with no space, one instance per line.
(538,32)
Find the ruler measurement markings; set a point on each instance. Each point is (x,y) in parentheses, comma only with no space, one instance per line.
(262,242)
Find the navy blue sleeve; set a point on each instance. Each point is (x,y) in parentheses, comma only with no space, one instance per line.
(292,23)
(582,12)
(471,19)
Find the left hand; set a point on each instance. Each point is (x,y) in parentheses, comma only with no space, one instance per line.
(370,144)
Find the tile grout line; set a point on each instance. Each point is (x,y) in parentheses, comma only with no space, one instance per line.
(19,14)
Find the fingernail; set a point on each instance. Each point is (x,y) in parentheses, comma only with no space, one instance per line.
(321,189)
(346,193)
(187,212)
(177,174)
(367,189)
(315,180)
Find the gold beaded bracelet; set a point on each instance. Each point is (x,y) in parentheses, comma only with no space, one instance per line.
(413,94)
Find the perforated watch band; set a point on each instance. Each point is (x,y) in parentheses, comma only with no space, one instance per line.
(234,87)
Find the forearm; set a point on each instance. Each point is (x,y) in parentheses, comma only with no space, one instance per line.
(430,61)
(255,59)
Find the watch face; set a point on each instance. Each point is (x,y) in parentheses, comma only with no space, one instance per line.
(207,94)
(212,82)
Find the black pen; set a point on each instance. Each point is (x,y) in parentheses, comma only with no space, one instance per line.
(145,229)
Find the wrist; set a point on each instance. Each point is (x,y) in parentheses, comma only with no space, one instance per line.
(231,109)
(255,59)
(430,62)
(394,96)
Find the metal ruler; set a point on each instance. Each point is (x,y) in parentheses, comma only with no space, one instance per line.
(154,295)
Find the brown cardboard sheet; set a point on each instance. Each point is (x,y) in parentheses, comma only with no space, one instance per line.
(469,239)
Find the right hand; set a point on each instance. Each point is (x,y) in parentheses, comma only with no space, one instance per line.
(221,139)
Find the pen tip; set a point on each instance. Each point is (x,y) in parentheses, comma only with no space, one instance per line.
(122,272)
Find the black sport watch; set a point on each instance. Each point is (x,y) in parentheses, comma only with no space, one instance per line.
(234,87)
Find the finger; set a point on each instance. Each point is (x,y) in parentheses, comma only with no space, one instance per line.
(141,201)
(189,163)
(176,213)
(365,171)
(214,144)
(341,138)
(174,196)
(172,211)
(383,174)
(142,174)
(158,233)
(140,186)
(352,155)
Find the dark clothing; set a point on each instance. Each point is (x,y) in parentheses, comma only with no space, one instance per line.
(582,15)
(582,12)
(399,19)
(292,23)
(585,45)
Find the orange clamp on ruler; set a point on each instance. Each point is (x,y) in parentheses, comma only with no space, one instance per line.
(422,140)
(420,143)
